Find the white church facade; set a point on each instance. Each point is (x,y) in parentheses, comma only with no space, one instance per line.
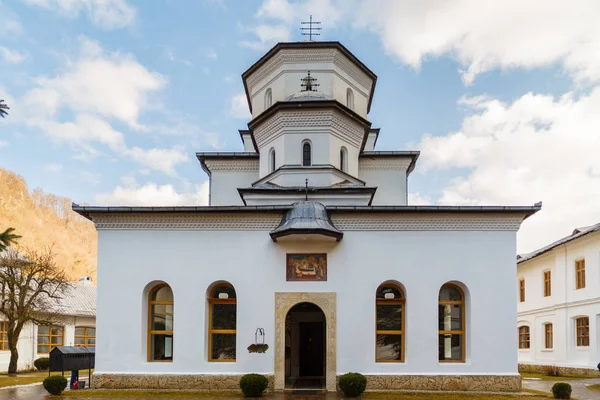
(558,318)
(308,246)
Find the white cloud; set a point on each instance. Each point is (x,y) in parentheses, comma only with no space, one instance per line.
(417,199)
(239,106)
(152,194)
(3,143)
(10,25)
(210,53)
(53,167)
(536,148)
(11,56)
(106,14)
(267,36)
(485,35)
(163,160)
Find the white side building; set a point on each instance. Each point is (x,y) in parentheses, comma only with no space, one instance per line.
(77,327)
(559,303)
(308,239)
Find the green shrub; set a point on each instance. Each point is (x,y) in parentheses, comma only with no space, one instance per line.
(55,384)
(42,363)
(253,384)
(561,390)
(353,384)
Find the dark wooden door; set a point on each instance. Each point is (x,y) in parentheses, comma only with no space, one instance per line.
(312,346)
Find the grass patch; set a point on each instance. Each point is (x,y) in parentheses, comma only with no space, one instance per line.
(545,377)
(22,378)
(146,394)
(594,388)
(453,396)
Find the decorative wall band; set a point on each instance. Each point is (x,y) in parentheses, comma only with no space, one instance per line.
(384,164)
(427,222)
(183,221)
(232,165)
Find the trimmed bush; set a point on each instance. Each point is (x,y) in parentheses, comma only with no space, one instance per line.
(253,384)
(353,384)
(55,384)
(42,364)
(561,390)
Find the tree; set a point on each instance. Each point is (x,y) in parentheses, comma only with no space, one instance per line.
(3,108)
(31,286)
(7,238)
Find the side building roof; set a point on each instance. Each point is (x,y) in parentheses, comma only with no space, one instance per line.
(577,233)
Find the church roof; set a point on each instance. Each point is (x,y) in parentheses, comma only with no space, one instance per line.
(577,233)
(309,45)
(306,218)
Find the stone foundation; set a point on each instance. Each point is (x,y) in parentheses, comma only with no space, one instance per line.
(217,383)
(541,369)
(470,383)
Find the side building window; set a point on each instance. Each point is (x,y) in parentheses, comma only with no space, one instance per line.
(548,336)
(451,317)
(268,98)
(547,283)
(580,274)
(350,99)
(85,336)
(222,323)
(389,343)
(160,323)
(48,337)
(523,337)
(306,154)
(521,290)
(3,336)
(583,331)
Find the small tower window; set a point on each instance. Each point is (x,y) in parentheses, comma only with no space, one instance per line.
(272,160)
(268,98)
(343,159)
(306,154)
(350,99)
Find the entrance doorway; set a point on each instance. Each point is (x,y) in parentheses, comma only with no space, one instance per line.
(305,338)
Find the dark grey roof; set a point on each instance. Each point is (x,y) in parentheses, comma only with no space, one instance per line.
(306,217)
(577,233)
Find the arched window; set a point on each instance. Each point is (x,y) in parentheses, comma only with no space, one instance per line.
(222,323)
(350,99)
(451,317)
(523,337)
(268,98)
(306,155)
(272,160)
(160,323)
(389,304)
(344,159)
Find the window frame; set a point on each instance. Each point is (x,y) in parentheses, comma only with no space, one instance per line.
(155,331)
(85,336)
(524,337)
(586,331)
(309,144)
(580,274)
(522,290)
(547,283)
(4,336)
(463,331)
(548,336)
(212,300)
(50,345)
(402,303)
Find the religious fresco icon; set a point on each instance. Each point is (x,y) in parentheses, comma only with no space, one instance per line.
(306,267)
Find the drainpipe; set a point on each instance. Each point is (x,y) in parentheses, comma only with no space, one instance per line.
(567,322)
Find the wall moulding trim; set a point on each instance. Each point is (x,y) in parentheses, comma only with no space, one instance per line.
(182,221)
(384,164)
(327,302)
(232,165)
(224,383)
(425,222)
(469,383)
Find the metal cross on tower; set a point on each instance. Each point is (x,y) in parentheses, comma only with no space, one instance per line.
(308,83)
(310,28)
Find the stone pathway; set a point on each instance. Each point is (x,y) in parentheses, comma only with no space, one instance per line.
(580,391)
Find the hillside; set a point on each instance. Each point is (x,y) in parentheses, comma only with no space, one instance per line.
(46,219)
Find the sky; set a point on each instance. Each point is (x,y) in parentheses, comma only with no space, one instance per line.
(110,99)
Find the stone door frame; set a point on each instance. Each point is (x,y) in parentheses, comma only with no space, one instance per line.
(327,303)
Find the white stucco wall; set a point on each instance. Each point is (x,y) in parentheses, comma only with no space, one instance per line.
(224,185)
(563,306)
(190,261)
(391,186)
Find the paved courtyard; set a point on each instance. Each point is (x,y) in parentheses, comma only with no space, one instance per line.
(579,387)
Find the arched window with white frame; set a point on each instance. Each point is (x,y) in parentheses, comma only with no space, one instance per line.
(343,159)
(350,99)
(272,160)
(306,154)
(268,98)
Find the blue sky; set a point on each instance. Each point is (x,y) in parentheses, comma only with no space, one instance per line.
(111,99)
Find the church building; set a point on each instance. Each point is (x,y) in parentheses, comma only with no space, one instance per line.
(308,262)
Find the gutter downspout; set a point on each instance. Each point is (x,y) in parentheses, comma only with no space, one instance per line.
(567,322)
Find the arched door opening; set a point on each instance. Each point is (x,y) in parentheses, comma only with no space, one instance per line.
(305,334)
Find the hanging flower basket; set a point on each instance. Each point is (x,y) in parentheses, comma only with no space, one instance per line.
(258,348)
